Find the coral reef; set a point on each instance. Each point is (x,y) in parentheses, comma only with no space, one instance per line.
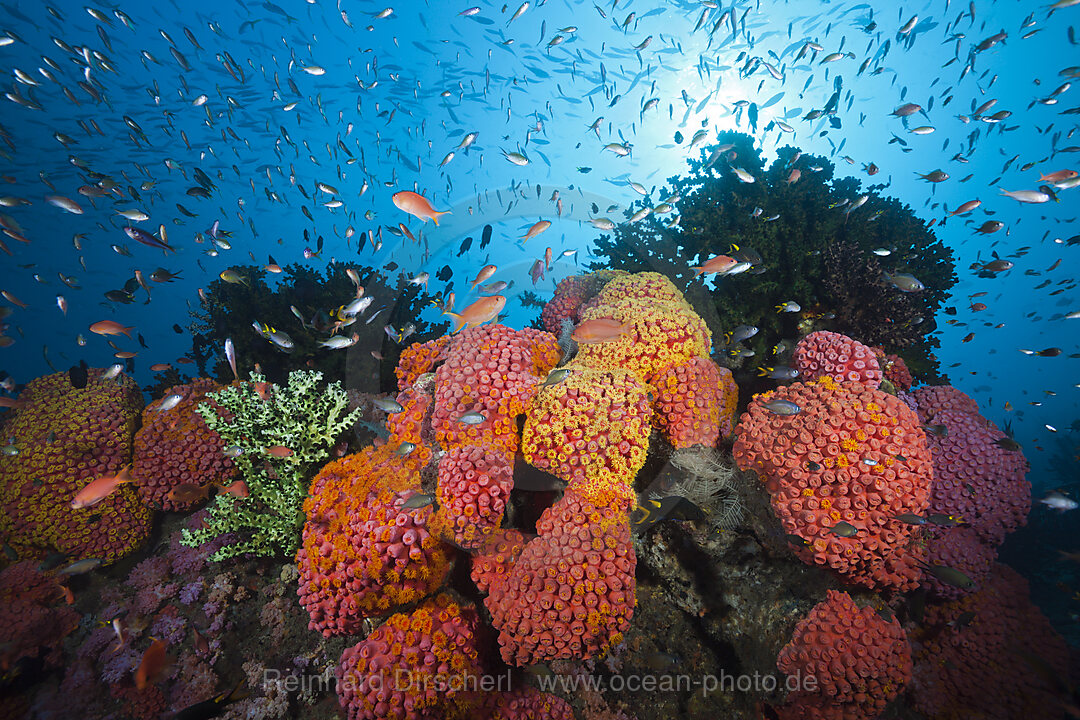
(410,424)
(858,662)
(695,402)
(570,295)
(663,328)
(975,478)
(991,655)
(495,526)
(177,457)
(32,624)
(838,356)
(65,438)
(363,553)
(839,470)
(868,307)
(932,399)
(570,592)
(474,485)
(525,703)
(656,371)
(961,549)
(592,430)
(494,558)
(280,432)
(491,370)
(895,369)
(411,666)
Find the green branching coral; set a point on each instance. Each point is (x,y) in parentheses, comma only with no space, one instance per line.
(810,248)
(282,434)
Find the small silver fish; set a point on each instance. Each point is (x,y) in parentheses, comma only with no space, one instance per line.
(281,340)
(782,407)
(170,402)
(556,376)
(1059,502)
(419,500)
(405,448)
(388,405)
(471,418)
(82,566)
(337,342)
(905,282)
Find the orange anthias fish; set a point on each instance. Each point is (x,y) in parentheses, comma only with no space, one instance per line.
(185,493)
(600,330)
(279,451)
(719,264)
(485,272)
(417,205)
(966,207)
(13,300)
(535,230)
(238,488)
(1059,176)
(110,327)
(484,309)
(154,662)
(101,488)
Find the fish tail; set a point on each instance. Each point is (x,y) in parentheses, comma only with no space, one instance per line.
(435,215)
(458,321)
(699,270)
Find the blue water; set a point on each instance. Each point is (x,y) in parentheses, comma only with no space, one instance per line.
(385,77)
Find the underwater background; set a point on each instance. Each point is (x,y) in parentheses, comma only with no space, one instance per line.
(196,192)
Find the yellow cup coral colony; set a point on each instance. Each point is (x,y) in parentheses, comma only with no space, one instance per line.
(593,428)
(65,438)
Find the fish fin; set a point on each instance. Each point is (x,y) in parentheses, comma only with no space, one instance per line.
(238,692)
(458,321)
